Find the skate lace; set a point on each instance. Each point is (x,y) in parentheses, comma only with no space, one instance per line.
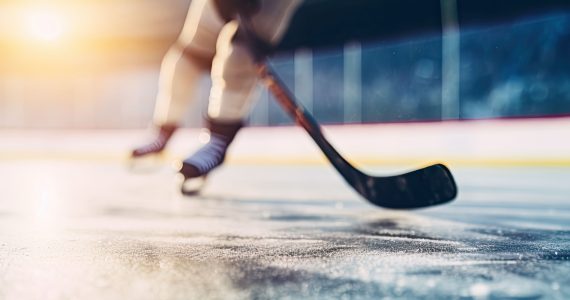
(210,155)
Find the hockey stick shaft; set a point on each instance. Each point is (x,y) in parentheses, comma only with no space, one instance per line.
(295,110)
(302,117)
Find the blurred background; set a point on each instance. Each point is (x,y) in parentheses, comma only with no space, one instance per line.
(94,65)
(78,81)
(83,64)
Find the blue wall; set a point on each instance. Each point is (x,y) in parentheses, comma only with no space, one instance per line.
(520,69)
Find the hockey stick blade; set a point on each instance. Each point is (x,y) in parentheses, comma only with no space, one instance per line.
(425,187)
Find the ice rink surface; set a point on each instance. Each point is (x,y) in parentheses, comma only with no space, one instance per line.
(89,229)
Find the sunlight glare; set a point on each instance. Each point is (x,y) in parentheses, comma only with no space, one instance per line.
(45,24)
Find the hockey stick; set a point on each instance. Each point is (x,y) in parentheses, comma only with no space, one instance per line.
(421,188)
(424,187)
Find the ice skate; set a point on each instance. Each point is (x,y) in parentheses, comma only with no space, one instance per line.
(199,165)
(146,156)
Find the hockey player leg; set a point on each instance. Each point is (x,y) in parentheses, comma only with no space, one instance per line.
(183,66)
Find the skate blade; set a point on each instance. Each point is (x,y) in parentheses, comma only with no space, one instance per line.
(146,164)
(191,186)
